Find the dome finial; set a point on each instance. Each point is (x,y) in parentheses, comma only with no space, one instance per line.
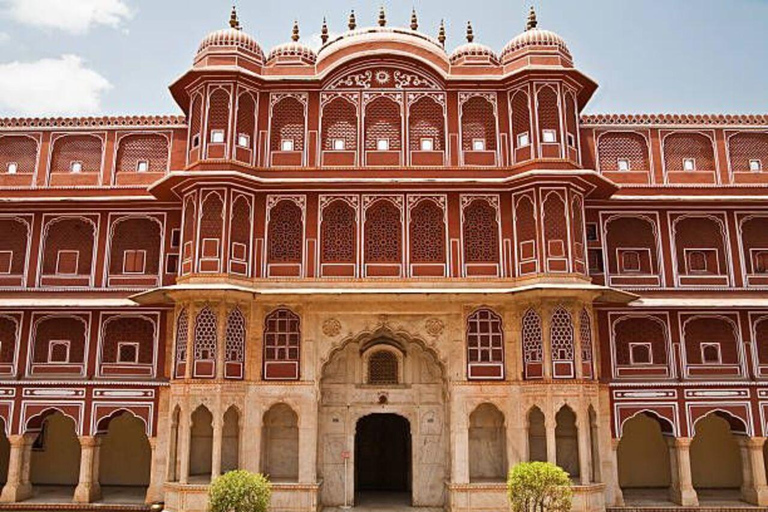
(352,23)
(470,32)
(382,17)
(233,21)
(532,21)
(295,32)
(441,33)
(414,20)
(324,31)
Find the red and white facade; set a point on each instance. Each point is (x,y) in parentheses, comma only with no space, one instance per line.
(382,227)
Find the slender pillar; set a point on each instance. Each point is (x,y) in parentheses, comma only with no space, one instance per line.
(155,488)
(18,486)
(549,426)
(613,478)
(459,446)
(577,361)
(753,488)
(221,327)
(308,444)
(546,346)
(585,451)
(88,488)
(218,432)
(192,312)
(681,490)
(185,435)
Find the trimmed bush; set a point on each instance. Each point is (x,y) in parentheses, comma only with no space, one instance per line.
(239,491)
(539,487)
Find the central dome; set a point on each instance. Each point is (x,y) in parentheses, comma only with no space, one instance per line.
(536,41)
(229,41)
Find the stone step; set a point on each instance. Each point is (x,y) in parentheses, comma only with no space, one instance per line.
(702,508)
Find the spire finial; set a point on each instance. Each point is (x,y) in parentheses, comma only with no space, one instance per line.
(414,20)
(470,32)
(441,33)
(233,21)
(295,32)
(352,24)
(382,17)
(324,31)
(532,21)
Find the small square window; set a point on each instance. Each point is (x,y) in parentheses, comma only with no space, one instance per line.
(630,261)
(127,352)
(761,262)
(478,145)
(382,144)
(172,264)
(13,168)
(697,261)
(427,144)
(640,353)
(549,136)
(592,232)
(217,136)
(67,262)
(58,351)
(710,353)
(175,238)
(76,167)
(142,166)
(523,140)
(339,144)
(755,165)
(571,140)
(134,262)
(623,164)
(243,140)
(6,262)
(286,145)
(689,164)
(196,141)
(595,257)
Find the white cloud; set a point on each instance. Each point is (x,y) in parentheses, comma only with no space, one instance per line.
(74,16)
(50,87)
(4,37)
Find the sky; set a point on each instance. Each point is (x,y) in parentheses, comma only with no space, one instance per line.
(117,57)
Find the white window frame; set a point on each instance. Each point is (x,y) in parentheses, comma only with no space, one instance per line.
(427,141)
(77,262)
(243,247)
(645,344)
(622,268)
(243,140)
(57,343)
(196,141)
(205,243)
(175,234)
(523,140)
(218,137)
(478,144)
(754,253)
(133,344)
(144,265)
(12,167)
(626,161)
(7,271)
(145,166)
(76,167)
(382,144)
(688,251)
(551,134)
(287,145)
(755,168)
(571,139)
(692,161)
(707,344)
(339,144)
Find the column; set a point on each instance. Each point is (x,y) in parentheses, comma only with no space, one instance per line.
(192,310)
(218,432)
(681,491)
(155,488)
(459,445)
(88,488)
(546,346)
(585,449)
(184,441)
(308,444)
(221,327)
(549,426)
(577,361)
(753,488)
(613,477)
(18,486)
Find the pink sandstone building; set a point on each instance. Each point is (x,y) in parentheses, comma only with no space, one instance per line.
(384,266)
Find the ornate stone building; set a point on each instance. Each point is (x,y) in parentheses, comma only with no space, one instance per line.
(384,266)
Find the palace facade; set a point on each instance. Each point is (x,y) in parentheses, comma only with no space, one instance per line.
(384,266)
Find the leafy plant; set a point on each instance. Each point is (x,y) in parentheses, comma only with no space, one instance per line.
(539,487)
(239,491)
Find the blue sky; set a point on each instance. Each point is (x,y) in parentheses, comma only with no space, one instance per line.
(91,57)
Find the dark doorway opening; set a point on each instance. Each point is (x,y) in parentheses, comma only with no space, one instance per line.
(383,454)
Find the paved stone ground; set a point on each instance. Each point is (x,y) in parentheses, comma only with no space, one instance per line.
(383,502)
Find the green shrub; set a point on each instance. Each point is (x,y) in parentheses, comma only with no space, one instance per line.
(239,491)
(539,487)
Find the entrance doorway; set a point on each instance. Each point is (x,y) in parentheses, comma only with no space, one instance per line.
(382,456)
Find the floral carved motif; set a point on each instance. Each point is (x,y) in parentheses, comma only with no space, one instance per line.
(434,327)
(331,327)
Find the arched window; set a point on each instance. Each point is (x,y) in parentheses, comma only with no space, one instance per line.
(240,236)
(481,233)
(206,333)
(383,238)
(76,154)
(426,131)
(246,127)
(211,230)
(13,250)
(748,152)
(427,233)
(59,345)
(339,126)
(521,125)
(218,121)
(383,368)
(527,234)
(561,339)
(68,250)
(142,153)
(478,125)
(285,235)
(533,351)
(623,151)
(234,350)
(19,150)
(585,337)
(688,151)
(282,345)
(577,234)
(128,346)
(383,130)
(189,239)
(195,125)
(182,333)
(485,345)
(549,122)
(9,340)
(338,238)
(555,232)
(288,125)
(135,248)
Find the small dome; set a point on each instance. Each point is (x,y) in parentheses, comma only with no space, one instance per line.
(535,38)
(474,53)
(228,39)
(292,52)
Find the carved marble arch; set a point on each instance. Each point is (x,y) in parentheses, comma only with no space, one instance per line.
(667,425)
(101,423)
(383,74)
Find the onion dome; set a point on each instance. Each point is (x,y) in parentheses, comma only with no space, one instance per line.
(292,53)
(232,40)
(535,40)
(472,53)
